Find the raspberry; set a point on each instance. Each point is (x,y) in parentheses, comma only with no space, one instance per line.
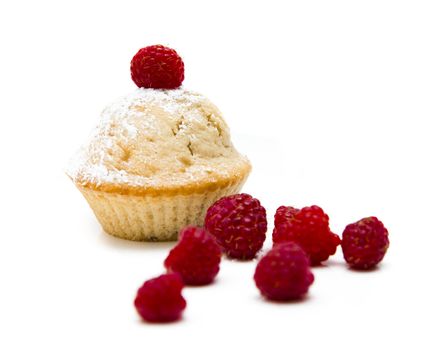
(196,257)
(365,243)
(157,67)
(309,227)
(284,272)
(238,222)
(160,300)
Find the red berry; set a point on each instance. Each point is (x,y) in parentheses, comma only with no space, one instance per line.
(238,222)
(284,272)
(196,257)
(160,300)
(365,243)
(157,67)
(309,227)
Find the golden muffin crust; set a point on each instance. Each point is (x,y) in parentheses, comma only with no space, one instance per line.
(159,142)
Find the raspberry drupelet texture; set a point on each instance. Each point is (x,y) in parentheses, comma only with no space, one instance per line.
(365,243)
(238,222)
(157,67)
(309,227)
(196,257)
(284,273)
(160,300)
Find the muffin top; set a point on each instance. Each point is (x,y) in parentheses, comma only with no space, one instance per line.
(156,141)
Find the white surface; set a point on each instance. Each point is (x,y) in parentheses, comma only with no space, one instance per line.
(329,99)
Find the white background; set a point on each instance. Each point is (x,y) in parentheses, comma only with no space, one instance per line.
(329,99)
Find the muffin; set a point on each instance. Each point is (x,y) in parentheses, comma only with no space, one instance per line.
(156,161)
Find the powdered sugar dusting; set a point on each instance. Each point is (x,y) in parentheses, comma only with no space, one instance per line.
(118,127)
